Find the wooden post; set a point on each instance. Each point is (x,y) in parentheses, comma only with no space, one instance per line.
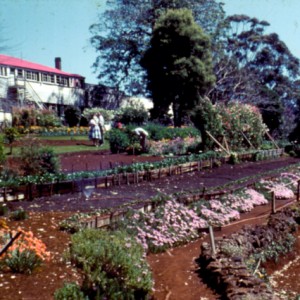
(270,137)
(217,142)
(245,137)
(110,165)
(10,242)
(298,191)
(212,240)
(273,203)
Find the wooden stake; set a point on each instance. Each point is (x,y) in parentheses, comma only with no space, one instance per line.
(247,140)
(226,144)
(212,240)
(273,203)
(270,137)
(217,142)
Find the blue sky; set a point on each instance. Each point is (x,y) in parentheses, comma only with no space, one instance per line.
(40,30)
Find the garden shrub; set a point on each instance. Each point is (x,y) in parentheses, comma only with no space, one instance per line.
(113,265)
(26,116)
(108,115)
(47,118)
(231,121)
(2,155)
(136,114)
(22,261)
(159,132)
(10,135)
(69,291)
(37,160)
(206,118)
(118,140)
(3,210)
(18,215)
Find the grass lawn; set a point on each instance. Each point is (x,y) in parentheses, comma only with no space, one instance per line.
(64,149)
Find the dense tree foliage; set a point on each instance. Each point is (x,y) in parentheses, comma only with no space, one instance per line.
(178,64)
(254,67)
(124,31)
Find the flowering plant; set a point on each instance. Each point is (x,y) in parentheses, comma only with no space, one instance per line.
(170,225)
(25,254)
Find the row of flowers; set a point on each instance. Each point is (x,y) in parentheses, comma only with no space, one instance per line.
(53,131)
(173,223)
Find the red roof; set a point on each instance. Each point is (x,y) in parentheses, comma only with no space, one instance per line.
(20,63)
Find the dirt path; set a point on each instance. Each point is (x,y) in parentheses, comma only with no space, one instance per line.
(175,271)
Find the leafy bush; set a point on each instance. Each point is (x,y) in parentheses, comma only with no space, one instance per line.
(26,116)
(37,160)
(69,291)
(2,155)
(10,135)
(47,118)
(23,261)
(118,140)
(132,115)
(239,123)
(18,215)
(113,265)
(159,132)
(108,115)
(3,210)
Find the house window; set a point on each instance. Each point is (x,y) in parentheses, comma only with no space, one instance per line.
(62,80)
(3,71)
(32,75)
(48,78)
(20,73)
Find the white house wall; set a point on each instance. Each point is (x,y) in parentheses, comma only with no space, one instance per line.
(54,94)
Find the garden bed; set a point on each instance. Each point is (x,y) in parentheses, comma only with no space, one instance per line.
(185,284)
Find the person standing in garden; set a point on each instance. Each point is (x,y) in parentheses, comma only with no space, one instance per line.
(142,134)
(94,132)
(101,126)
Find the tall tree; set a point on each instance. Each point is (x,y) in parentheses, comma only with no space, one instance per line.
(123,33)
(178,64)
(255,67)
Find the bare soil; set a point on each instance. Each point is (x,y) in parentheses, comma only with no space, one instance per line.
(175,272)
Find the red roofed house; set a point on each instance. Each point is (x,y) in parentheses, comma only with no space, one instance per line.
(23,82)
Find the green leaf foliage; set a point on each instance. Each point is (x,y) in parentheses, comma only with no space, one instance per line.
(183,67)
(113,265)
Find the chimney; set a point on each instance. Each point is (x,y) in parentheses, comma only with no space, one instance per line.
(58,63)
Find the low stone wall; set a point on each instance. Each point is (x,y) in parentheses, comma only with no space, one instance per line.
(226,271)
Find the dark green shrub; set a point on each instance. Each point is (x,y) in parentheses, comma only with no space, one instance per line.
(113,265)
(72,115)
(3,210)
(70,291)
(37,160)
(2,155)
(18,215)
(10,135)
(47,118)
(132,115)
(158,132)
(118,140)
